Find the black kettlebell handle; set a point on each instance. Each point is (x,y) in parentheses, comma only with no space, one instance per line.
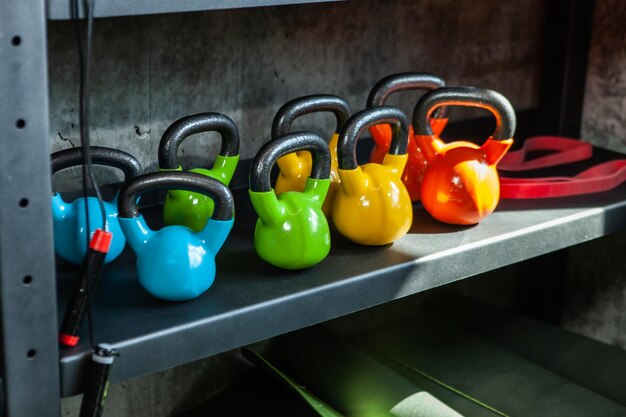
(404,82)
(188,181)
(186,126)
(351,131)
(115,158)
(295,108)
(483,98)
(269,153)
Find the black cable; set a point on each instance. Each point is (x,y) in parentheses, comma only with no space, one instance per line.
(81,68)
(97,380)
(90,5)
(84,58)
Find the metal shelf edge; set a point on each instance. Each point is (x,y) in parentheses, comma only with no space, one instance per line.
(60,9)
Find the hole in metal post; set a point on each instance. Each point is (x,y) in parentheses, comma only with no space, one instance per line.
(23,202)
(16,40)
(20,123)
(27,280)
(31,353)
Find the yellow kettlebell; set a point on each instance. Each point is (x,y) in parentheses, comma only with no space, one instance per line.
(295,167)
(372,206)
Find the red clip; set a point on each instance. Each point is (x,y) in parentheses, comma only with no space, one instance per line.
(68,340)
(101,241)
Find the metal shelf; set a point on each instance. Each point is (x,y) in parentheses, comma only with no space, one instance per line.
(251,301)
(60,9)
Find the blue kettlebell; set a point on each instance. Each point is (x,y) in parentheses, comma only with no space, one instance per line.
(176,263)
(69,221)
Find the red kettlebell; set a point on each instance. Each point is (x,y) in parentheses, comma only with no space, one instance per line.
(416,163)
(461,183)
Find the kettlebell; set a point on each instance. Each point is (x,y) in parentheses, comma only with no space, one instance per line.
(416,164)
(176,263)
(291,231)
(68,218)
(194,209)
(461,184)
(372,205)
(295,167)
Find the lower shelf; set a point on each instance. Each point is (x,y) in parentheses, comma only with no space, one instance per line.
(252,301)
(455,357)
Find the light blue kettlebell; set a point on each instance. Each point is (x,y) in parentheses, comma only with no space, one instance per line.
(69,221)
(176,263)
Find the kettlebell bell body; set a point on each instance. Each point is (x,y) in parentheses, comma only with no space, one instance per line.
(188,208)
(372,205)
(461,184)
(294,168)
(291,231)
(70,227)
(176,263)
(69,218)
(381,134)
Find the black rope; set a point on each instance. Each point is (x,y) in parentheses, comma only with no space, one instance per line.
(84,60)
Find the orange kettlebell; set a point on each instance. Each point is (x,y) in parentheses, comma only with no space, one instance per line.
(461,184)
(295,167)
(416,164)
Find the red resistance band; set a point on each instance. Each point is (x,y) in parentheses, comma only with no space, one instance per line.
(601,177)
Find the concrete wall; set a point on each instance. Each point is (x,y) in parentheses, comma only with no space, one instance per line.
(166,393)
(148,71)
(604,118)
(596,290)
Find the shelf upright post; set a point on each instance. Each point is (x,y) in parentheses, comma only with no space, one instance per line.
(566,53)
(567,38)
(29,357)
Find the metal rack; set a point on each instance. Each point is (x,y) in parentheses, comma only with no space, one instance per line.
(28,298)
(352,278)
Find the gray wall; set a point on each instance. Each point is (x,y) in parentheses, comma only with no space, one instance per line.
(596,290)
(604,118)
(166,393)
(149,71)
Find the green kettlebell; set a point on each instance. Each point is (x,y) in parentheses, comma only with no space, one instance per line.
(292,231)
(189,208)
